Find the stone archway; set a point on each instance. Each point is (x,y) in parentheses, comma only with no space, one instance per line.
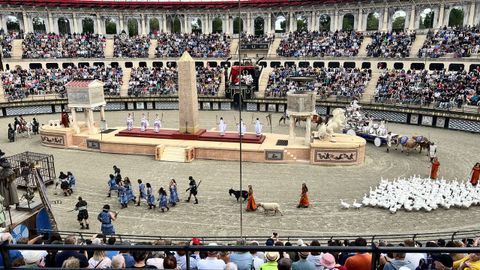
(88,25)
(39,25)
(63,26)
(154,25)
(426,18)
(398,21)
(237,25)
(217,25)
(280,24)
(348,22)
(196,25)
(13,24)
(324,22)
(110,26)
(259,26)
(456,17)
(373,21)
(132,27)
(302,23)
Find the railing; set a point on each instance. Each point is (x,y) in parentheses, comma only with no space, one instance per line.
(375,250)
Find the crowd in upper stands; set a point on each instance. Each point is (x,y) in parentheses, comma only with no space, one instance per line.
(6,39)
(391,44)
(21,83)
(256,39)
(50,45)
(441,88)
(198,45)
(459,41)
(147,81)
(135,47)
(249,260)
(313,44)
(344,82)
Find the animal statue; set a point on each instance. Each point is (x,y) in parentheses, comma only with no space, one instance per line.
(270,207)
(335,124)
(238,194)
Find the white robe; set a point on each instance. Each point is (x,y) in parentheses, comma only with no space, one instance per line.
(157,125)
(222,127)
(144,124)
(433,151)
(241,128)
(258,128)
(129,123)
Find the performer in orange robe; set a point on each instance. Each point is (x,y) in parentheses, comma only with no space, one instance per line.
(251,205)
(64,119)
(475,174)
(304,203)
(434,171)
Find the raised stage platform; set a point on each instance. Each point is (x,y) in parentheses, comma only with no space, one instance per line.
(200,135)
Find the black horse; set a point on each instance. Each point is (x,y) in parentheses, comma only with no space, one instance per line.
(244,194)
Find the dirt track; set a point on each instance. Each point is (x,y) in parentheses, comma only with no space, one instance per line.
(218,214)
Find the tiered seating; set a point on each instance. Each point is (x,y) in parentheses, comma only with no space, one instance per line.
(391,44)
(20,84)
(345,82)
(198,45)
(313,44)
(256,39)
(460,41)
(146,81)
(441,88)
(38,45)
(135,47)
(6,43)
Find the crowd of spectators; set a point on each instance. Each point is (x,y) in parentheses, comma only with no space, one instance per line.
(344,82)
(6,39)
(198,45)
(135,47)
(21,83)
(313,44)
(51,45)
(147,81)
(391,44)
(441,88)
(256,39)
(459,41)
(225,260)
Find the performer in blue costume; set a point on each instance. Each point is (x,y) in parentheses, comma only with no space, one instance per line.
(150,197)
(173,192)
(141,191)
(112,185)
(122,196)
(106,217)
(162,197)
(129,190)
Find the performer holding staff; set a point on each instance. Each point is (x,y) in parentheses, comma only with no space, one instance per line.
(222,127)
(129,122)
(157,124)
(144,123)
(258,128)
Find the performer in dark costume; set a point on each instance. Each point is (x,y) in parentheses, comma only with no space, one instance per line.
(11,133)
(35,126)
(8,186)
(64,119)
(193,189)
(82,216)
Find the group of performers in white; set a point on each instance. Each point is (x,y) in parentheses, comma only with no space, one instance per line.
(222,126)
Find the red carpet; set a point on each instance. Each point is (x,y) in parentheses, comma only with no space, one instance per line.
(200,135)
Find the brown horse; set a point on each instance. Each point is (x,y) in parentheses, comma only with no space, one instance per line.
(317,119)
(411,144)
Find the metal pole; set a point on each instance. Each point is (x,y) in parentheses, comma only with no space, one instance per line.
(240,116)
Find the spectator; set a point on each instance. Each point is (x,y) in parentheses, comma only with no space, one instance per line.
(397,262)
(62,256)
(39,45)
(140,256)
(315,256)
(470,262)
(243,260)
(6,43)
(99,260)
(391,44)
(211,262)
(442,262)
(118,262)
(13,254)
(132,47)
(414,258)
(181,259)
(129,260)
(359,261)
(284,264)
(198,45)
(71,262)
(271,263)
(320,44)
(247,39)
(303,264)
(459,41)
(111,253)
(258,256)
(170,263)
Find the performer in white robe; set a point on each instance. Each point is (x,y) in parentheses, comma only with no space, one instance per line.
(241,128)
(222,127)
(258,128)
(143,123)
(157,124)
(129,122)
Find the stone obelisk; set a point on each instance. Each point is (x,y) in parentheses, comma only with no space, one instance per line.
(187,95)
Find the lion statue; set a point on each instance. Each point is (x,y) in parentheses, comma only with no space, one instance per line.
(335,124)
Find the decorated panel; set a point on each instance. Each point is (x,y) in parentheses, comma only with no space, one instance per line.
(465,125)
(28,110)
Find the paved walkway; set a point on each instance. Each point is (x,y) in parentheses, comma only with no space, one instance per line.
(218,213)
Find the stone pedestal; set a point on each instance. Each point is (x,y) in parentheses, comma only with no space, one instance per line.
(187,95)
(301,105)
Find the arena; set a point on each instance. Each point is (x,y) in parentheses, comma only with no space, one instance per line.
(383,73)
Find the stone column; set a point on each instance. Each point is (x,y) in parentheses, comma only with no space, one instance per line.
(471,14)
(308,130)
(121,23)
(2,22)
(206,24)
(75,23)
(385,20)
(292,22)
(144,32)
(291,130)
(335,21)
(99,25)
(440,15)
(187,95)
(90,120)
(102,113)
(185,24)
(26,27)
(412,19)
(313,21)
(50,22)
(164,23)
(269,23)
(249,24)
(360,19)
(76,129)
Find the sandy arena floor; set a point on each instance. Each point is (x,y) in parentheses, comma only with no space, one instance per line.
(218,214)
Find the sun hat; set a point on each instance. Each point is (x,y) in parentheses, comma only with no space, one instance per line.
(272,256)
(327,260)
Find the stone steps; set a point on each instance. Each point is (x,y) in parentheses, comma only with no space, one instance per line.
(417,44)
(272,51)
(17,50)
(152,48)
(127,74)
(233,47)
(174,154)
(108,51)
(370,89)
(263,82)
(362,51)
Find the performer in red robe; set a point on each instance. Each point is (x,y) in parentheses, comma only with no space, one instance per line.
(251,205)
(475,174)
(304,203)
(434,171)
(65,119)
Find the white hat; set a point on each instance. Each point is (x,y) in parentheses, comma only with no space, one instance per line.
(212,244)
(299,242)
(33,256)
